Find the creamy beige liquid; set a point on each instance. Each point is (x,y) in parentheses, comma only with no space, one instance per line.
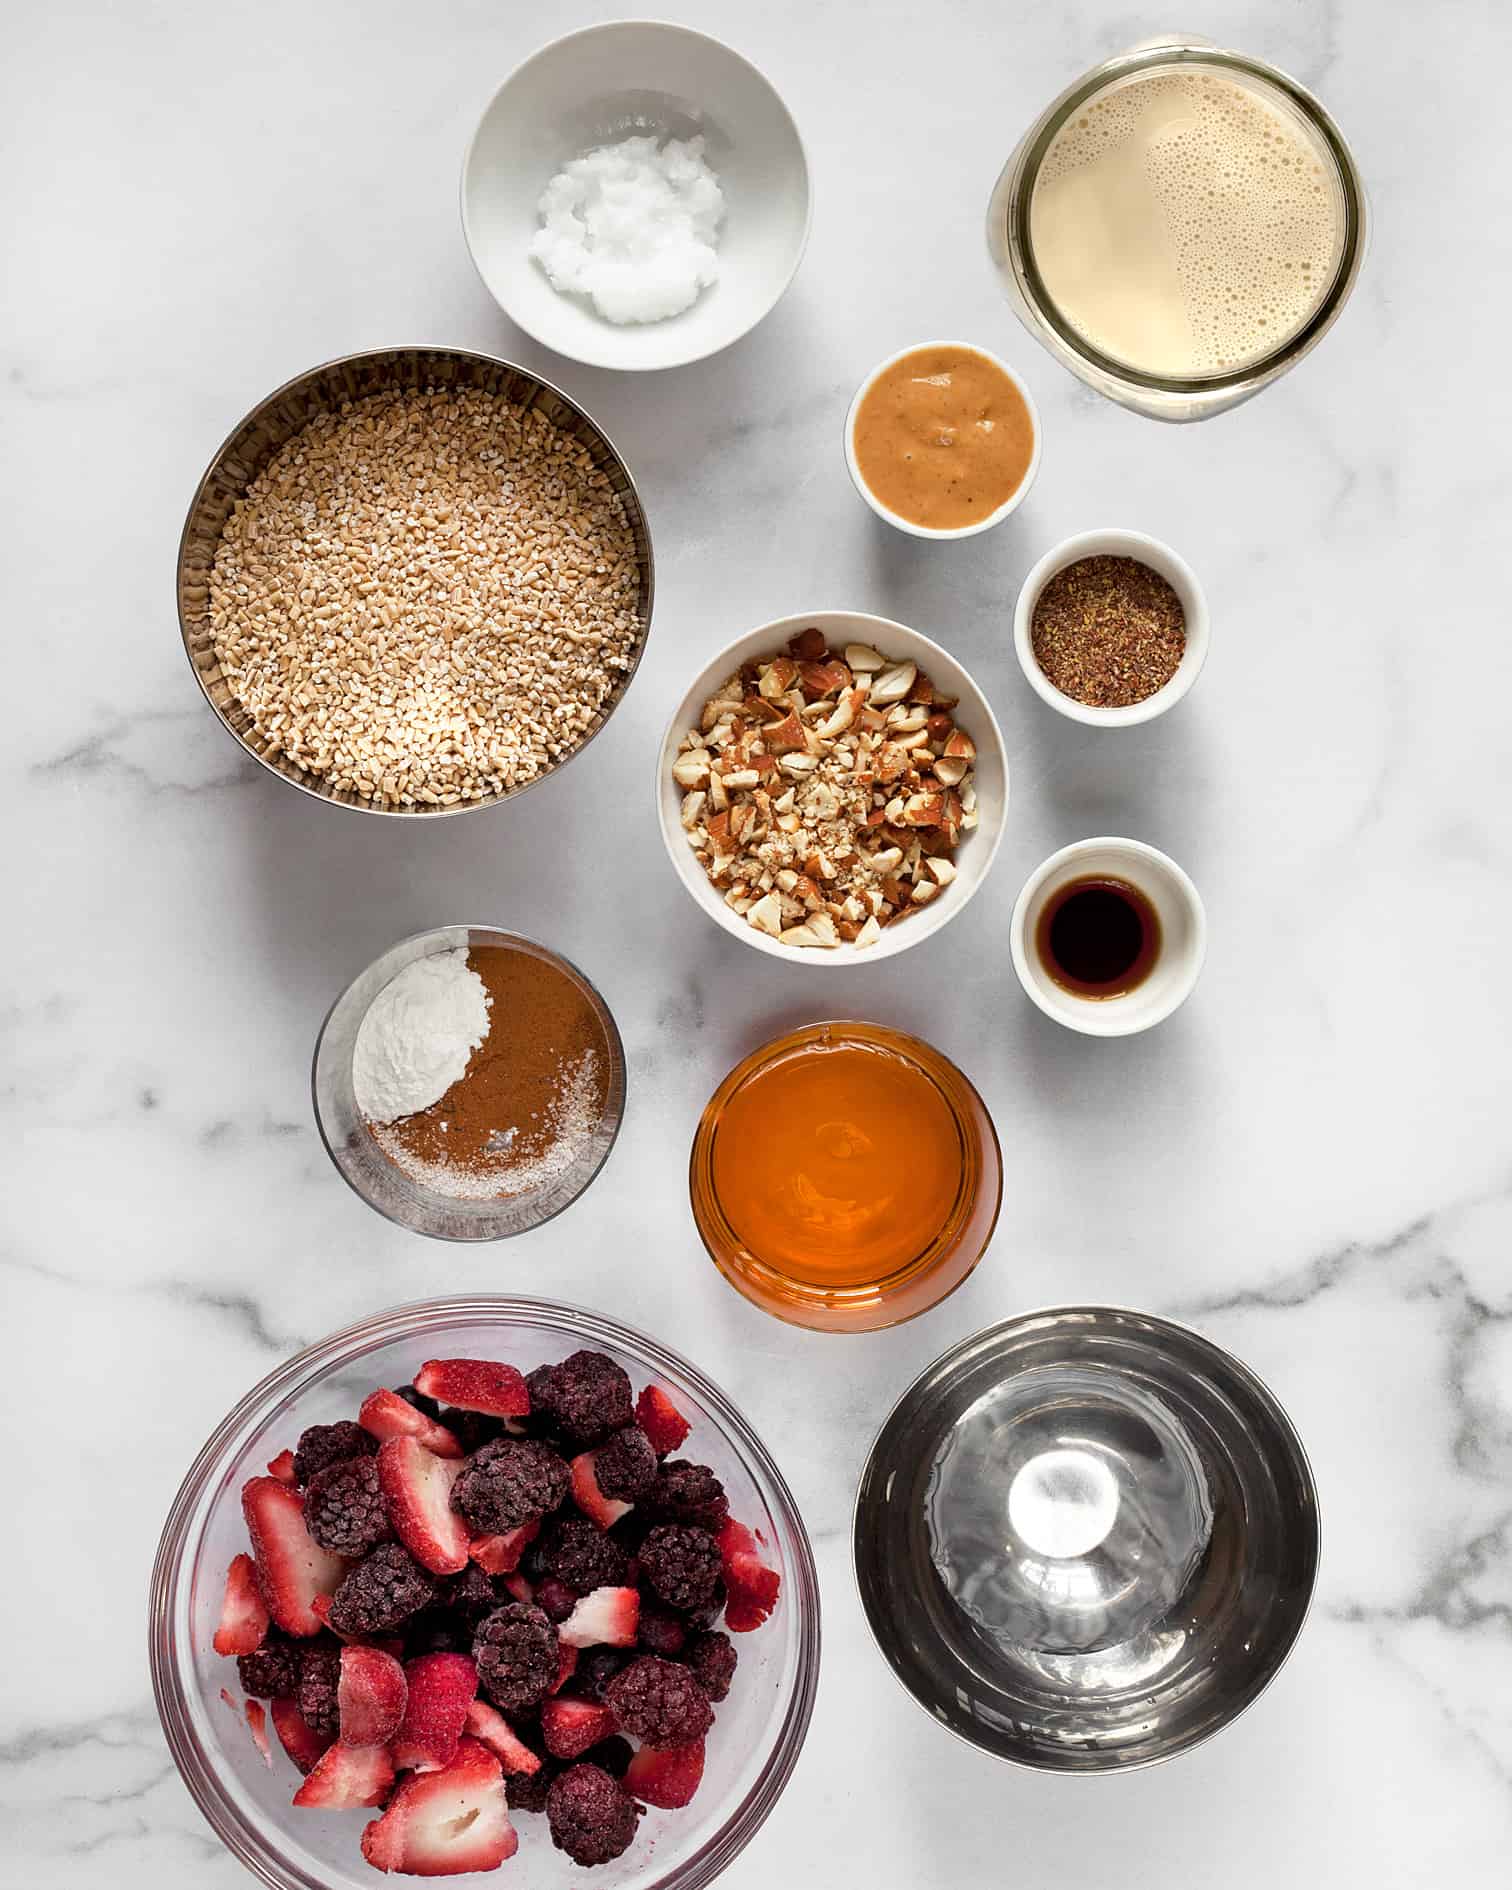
(1184,226)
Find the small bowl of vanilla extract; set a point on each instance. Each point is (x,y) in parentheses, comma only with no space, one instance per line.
(1108,937)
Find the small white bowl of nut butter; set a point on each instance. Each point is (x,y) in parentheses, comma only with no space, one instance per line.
(832,788)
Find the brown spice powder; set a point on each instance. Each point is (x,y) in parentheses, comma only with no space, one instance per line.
(539,1078)
(1108,631)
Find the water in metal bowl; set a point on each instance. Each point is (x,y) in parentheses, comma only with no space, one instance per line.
(1086,1539)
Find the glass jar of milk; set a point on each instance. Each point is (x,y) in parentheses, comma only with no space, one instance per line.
(1180,227)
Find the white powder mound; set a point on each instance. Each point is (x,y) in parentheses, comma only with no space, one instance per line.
(634,227)
(417,1036)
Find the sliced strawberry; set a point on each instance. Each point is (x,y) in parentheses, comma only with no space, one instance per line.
(566,1665)
(257,1725)
(384,1414)
(570,1727)
(665,1779)
(500,1555)
(292,1569)
(282,1467)
(244,1614)
(752,1586)
(608,1617)
(661,1420)
(495,1732)
(441,1824)
(590,1499)
(344,1778)
(297,1736)
(519,1587)
(370,1696)
(475,1384)
(441,1688)
(417,1487)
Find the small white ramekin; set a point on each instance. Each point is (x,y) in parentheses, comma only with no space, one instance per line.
(1115,544)
(1010,504)
(1183,937)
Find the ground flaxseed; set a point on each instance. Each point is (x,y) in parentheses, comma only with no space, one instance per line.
(1108,631)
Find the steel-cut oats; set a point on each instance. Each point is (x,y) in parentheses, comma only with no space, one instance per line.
(427,598)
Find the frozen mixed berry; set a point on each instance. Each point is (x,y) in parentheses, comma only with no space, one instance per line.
(611,1755)
(681,1564)
(386,1587)
(576,1552)
(324,1444)
(592,1817)
(711,1659)
(526,1791)
(596,1667)
(588,1395)
(470,1594)
(713,1608)
(437,1631)
(272,1673)
(688,1493)
(473,1429)
(344,1507)
(315,1696)
(659,1702)
(555,1598)
(660,1631)
(511,1481)
(625,1466)
(518,1656)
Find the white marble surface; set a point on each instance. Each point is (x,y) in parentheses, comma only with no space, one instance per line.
(1311,1161)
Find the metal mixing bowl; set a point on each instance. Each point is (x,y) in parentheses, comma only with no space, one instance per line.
(287,412)
(1086,1539)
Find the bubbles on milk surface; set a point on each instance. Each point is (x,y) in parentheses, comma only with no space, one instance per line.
(1184,225)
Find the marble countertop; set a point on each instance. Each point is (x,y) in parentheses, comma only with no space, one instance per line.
(1310,1162)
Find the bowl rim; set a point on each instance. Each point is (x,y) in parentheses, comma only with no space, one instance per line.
(303,781)
(598,360)
(945,534)
(618,1061)
(1162,559)
(409,1319)
(1289,1429)
(844,957)
(1101,1018)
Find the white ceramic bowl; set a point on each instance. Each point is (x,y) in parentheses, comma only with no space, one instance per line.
(1117,544)
(1183,937)
(596,87)
(1010,504)
(974,856)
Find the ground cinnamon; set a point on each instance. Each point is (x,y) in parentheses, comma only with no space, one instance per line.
(534,1090)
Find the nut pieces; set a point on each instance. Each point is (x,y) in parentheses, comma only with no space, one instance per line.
(825,797)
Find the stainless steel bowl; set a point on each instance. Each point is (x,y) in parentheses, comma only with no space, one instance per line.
(1086,1539)
(274,422)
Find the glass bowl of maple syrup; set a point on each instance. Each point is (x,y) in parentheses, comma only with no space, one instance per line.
(846,1177)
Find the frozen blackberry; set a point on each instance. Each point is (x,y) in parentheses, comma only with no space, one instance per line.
(588,1395)
(688,1493)
(625,1466)
(611,1755)
(344,1507)
(272,1673)
(319,1678)
(659,1702)
(324,1444)
(518,1655)
(386,1587)
(512,1481)
(713,1608)
(578,1553)
(470,1594)
(660,1631)
(526,1791)
(592,1817)
(710,1657)
(681,1564)
(596,1667)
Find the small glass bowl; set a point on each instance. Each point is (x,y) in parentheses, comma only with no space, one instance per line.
(762,1724)
(927,1279)
(382,1183)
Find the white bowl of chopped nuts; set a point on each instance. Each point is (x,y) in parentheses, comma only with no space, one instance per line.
(833,787)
